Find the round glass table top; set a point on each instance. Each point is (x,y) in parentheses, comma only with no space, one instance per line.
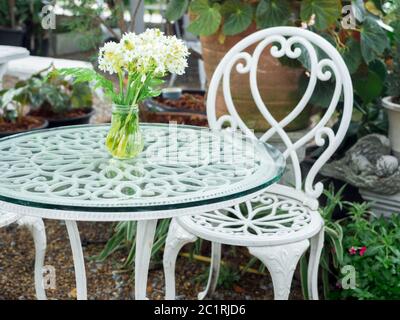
(68,168)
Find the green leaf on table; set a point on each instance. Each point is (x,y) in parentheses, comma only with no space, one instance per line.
(208,18)
(176,9)
(238,17)
(271,13)
(352,55)
(374,40)
(368,87)
(326,12)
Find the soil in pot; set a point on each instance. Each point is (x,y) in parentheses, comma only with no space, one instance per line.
(188,109)
(187,102)
(28,123)
(278,84)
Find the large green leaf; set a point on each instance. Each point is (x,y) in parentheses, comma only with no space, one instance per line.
(208,18)
(271,13)
(238,16)
(373,40)
(396,26)
(368,87)
(352,55)
(326,12)
(176,9)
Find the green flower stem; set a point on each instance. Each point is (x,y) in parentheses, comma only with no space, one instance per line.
(124,140)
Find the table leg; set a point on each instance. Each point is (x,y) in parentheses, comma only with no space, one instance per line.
(79,262)
(144,242)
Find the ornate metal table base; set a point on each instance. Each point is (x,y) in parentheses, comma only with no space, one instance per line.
(144,243)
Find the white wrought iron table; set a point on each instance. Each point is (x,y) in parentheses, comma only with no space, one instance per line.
(66,174)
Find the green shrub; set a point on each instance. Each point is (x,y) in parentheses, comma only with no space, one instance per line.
(372,247)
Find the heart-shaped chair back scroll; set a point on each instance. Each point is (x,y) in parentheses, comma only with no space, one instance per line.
(291,42)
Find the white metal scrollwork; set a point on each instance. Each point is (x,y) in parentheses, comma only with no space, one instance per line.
(290,42)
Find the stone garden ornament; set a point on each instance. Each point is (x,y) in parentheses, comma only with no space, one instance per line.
(368,165)
(279,225)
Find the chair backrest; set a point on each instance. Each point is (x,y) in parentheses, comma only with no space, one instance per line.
(287,41)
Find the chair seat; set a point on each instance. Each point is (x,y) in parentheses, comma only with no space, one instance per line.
(278,216)
(7,218)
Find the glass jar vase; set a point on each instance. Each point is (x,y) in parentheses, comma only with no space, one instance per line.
(124,139)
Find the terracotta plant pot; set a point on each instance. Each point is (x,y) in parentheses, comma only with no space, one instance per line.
(278,84)
(393,110)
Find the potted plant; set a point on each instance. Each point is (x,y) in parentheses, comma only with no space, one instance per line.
(14,117)
(392,103)
(20,25)
(57,99)
(221,24)
(187,107)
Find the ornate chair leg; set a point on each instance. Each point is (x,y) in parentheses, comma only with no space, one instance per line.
(214,271)
(177,237)
(281,262)
(317,243)
(37,229)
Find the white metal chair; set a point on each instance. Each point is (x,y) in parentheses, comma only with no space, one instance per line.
(37,229)
(279,225)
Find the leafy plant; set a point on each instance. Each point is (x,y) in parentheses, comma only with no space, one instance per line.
(54,93)
(227,278)
(393,81)
(11,110)
(372,248)
(124,238)
(41,92)
(363,241)
(90,15)
(364,47)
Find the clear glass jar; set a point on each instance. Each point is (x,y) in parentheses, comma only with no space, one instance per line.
(124,139)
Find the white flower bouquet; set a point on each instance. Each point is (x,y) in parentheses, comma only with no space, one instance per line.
(140,61)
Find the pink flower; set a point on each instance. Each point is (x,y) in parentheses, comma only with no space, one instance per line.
(362,250)
(352,251)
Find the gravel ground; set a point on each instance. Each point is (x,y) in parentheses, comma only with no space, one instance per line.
(105,280)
